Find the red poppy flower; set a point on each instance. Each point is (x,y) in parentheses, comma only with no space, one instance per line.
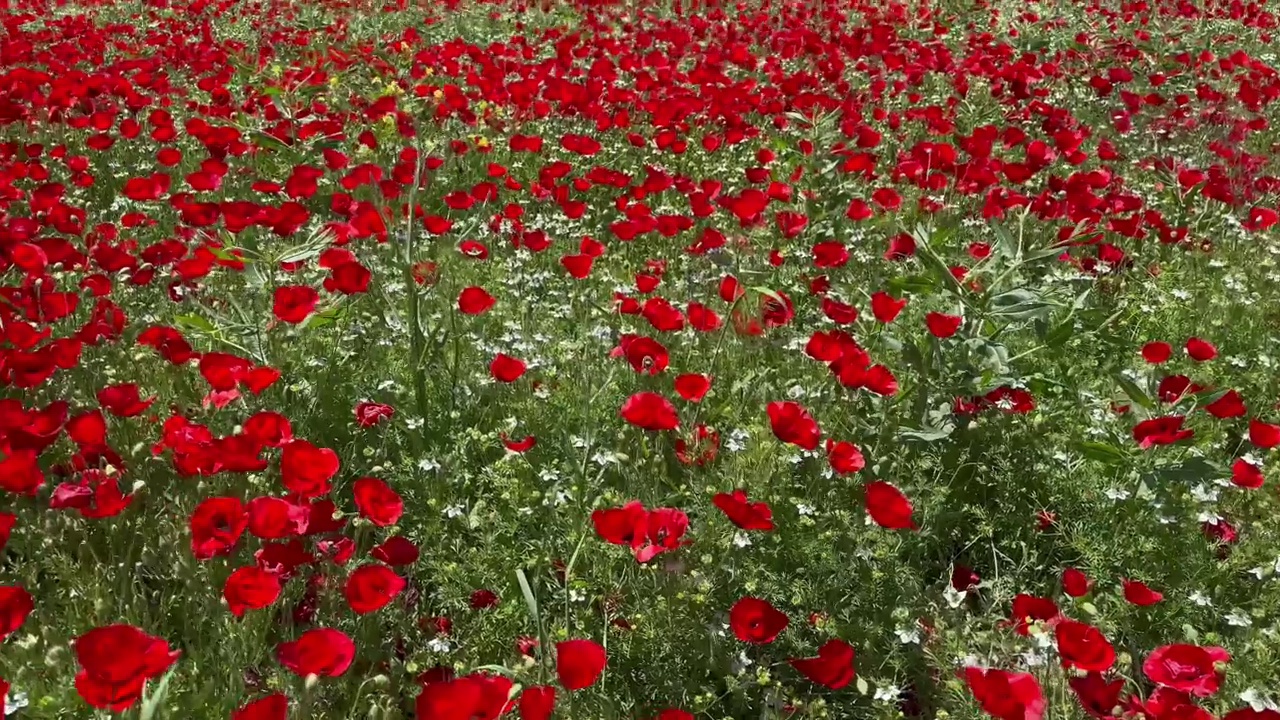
(306,469)
(579,663)
(115,663)
(1246,475)
(885,307)
(1137,593)
(1263,435)
(1156,352)
(271,707)
(1006,695)
(372,587)
(1201,350)
(396,551)
(505,368)
(942,325)
(474,697)
(845,457)
(1098,697)
(15,605)
(1083,646)
(216,526)
(1028,609)
(293,303)
(1161,431)
(323,652)
(756,621)
(1075,583)
(650,411)
(888,507)
(792,424)
(1187,668)
(377,501)
(537,702)
(746,515)
(832,668)
(250,588)
(369,414)
(475,301)
(693,387)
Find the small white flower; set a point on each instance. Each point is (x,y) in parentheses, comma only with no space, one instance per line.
(1204,494)
(741,540)
(1200,599)
(454,511)
(804,509)
(439,645)
(1237,618)
(428,465)
(908,635)
(1117,494)
(888,693)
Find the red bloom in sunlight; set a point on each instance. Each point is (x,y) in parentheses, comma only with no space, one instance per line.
(1157,352)
(1229,405)
(888,507)
(123,400)
(1263,435)
(1137,593)
(323,652)
(1098,697)
(518,446)
(942,325)
(293,303)
(650,411)
(306,469)
(1075,583)
(755,621)
(271,707)
(537,702)
(483,599)
(792,424)
(475,301)
(474,697)
(505,368)
(377,502)
(627,525)
(1029,609)
(15,605)
(844,457)
(250,588)
(693,387)
(832,668)
(396,551)
(1187,668)
(1006,695)
(20,473)
(700,449)
(1201,350)
(216,526)
(1160,431)
(115,663)
(369,414)
(743,513)
(1246,475)
(1083,646)
(644,354)
(885,308)
(579,663)
(372,587)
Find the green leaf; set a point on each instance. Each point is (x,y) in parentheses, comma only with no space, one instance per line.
(151,705)
(928,434)
(1101,452)
(911,285)
(1134,392)
(195,322)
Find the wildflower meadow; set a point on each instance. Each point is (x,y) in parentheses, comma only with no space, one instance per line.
(640,359)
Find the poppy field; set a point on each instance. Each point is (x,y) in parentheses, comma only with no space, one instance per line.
(640,360)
